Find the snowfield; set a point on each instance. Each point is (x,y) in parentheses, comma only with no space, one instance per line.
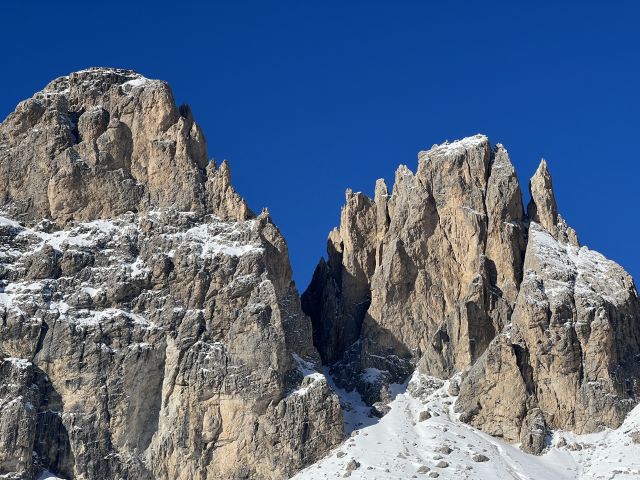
(400,446)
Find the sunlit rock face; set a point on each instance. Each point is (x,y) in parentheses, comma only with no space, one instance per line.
(428,272)
(447,274)
(149,324)
(150,328)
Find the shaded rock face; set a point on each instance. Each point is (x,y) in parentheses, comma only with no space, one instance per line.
(149,326)
(447,274)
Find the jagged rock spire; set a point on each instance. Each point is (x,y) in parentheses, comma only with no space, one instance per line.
(545,332)
(439,259)
(543,207)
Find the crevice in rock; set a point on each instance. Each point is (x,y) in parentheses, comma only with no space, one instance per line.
(73,117)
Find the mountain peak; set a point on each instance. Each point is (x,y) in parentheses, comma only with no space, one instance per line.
(103,141)
(543,207)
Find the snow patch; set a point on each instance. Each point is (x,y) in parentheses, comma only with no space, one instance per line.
(396,446)
(137,82)
(84,235)
(20,363)
(4,221)
(570,270)
(371,375)
(47,475)
(457,146)
(221,238)
(310,376)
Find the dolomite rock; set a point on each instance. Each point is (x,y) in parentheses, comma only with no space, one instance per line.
(569,359)
(149,326)
(18,414)
(446,274)
(543,208)
(430,272)
(112,135)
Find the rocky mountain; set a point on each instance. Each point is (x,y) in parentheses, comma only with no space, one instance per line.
(149,326)
(447,274)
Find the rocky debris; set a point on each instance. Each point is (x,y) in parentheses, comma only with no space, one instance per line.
(445,450)
(424,386)
(352,465)
(424,416)
(442,464)
(398,445)
(423,469)
(575,447)
(434,474)
(380,409)
(635,437)
(149,325)
(478,457)
(454,388)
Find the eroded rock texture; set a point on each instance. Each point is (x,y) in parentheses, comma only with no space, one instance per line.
(429,272)
(149,326)
(448,274)
(570,357)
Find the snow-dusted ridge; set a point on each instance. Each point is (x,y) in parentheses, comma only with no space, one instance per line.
(575,270)
(457,146)
(106,239)
(399,446)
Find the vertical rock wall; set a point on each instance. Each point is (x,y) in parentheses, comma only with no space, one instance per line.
(453,277)
(149,325)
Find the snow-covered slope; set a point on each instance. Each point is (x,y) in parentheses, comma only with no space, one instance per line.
(400,446)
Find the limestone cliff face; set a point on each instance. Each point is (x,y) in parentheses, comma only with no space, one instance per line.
(448,275)
(430,272)
(102,142)
(569,358)
(149,326)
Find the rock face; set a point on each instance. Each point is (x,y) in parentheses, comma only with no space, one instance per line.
(430,272)
(543,208)
(569,359)
(109,135)
(447,274)
(150,328)
(149,324)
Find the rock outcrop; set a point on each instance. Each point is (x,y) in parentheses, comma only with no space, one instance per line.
(430,272)
(102,142)
(447,274)
(543,208)
(149,325)
(569,359)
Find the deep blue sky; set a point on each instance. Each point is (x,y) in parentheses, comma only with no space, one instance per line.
(308,98)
